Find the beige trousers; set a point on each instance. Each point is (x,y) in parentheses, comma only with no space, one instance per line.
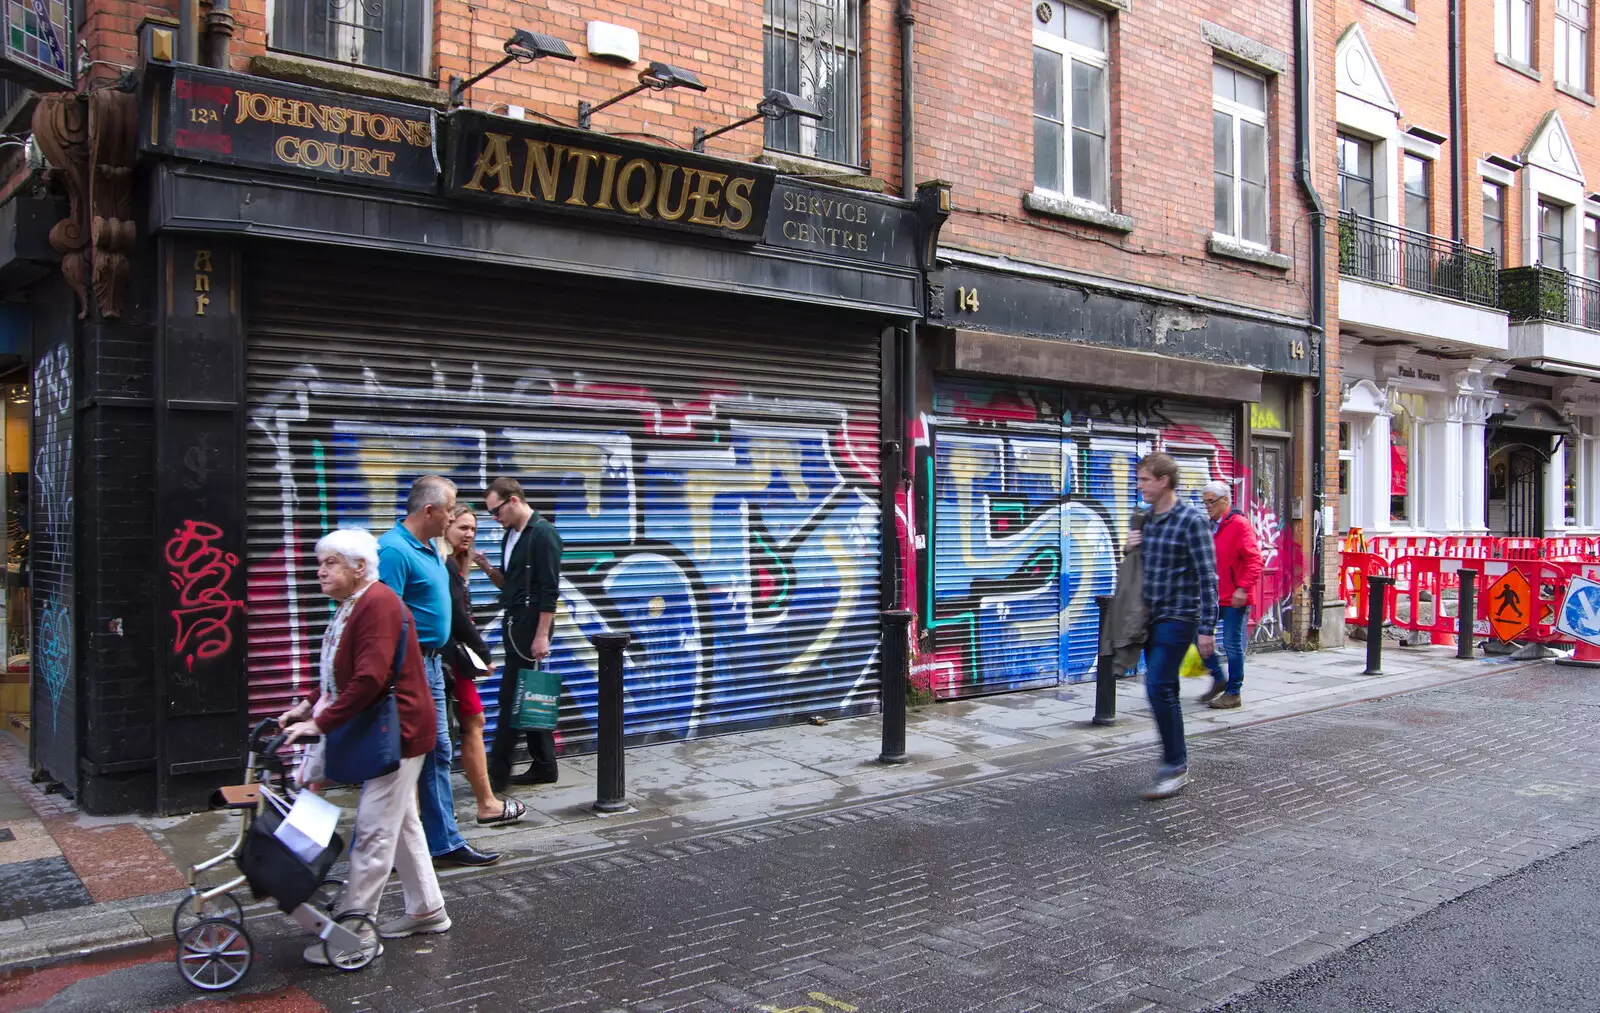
(389,835)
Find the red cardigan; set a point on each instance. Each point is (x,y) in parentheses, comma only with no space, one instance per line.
(1238,558)
(364,661)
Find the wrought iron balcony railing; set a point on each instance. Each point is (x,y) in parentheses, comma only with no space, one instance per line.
(1547,293)
(1390,255)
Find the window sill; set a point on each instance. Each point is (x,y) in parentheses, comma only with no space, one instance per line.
(1226,246)
(1577,93)
(1125,6)
(346,78)
(1397,8)
(816,169)
(1518,66)
(1076,211)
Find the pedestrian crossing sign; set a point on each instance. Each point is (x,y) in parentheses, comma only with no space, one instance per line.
(1510,601)
(1580,611)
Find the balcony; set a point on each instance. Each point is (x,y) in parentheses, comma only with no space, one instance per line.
(1552,316)
(1391,255)
(1398,284)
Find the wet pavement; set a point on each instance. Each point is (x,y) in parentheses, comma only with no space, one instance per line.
(1045,886)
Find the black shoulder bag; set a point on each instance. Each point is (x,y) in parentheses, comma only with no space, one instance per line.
(368,745)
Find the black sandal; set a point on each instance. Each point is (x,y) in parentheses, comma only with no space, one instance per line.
(510,813)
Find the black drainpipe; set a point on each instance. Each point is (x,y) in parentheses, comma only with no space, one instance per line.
(1457,205)
(908,22)
(1319,297)
(907,401)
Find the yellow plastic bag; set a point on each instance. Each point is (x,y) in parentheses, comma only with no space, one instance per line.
(1193,666)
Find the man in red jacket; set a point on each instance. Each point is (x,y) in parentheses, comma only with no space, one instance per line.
(1238,569)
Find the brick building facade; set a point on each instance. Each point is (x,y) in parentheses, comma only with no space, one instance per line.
(1469,245)
(765,391)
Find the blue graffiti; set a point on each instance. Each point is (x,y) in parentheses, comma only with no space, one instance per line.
(51,545)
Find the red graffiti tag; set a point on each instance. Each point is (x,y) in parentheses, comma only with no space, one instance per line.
(201,573)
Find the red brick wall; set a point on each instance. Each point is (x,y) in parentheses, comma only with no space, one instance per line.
(975,128)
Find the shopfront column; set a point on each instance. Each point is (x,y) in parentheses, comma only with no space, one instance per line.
(1555,491)
(1474,464)
(1442,462)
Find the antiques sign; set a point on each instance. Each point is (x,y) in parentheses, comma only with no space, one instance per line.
(515,163)
(241,120)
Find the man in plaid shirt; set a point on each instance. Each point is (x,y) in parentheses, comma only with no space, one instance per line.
(1180,591)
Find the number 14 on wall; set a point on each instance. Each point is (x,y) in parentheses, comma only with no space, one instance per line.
(967,299)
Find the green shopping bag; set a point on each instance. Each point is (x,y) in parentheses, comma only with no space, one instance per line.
(538,700)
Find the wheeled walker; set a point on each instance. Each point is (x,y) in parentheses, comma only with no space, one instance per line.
(214,949)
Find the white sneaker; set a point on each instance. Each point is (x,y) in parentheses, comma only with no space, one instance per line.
(1166,786)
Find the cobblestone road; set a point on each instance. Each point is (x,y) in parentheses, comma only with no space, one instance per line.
(1046,890)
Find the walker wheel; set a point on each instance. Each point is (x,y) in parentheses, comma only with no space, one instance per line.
(327,894)
(366,953)
(191,911)
(214,954)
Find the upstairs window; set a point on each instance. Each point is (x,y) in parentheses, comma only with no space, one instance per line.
(1070,103)
(1572,43)
(1552,234)
(1494,221)
(1355,175)
(813,48)
(1419,210)
(1239,147)
(387,35)
(1513,30)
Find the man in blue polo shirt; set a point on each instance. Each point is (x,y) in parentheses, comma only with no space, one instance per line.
(408,563)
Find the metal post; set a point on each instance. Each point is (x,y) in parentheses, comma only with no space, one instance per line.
(611,790)
(1467,607)
(893,681)
(1377,596)
(1105,677)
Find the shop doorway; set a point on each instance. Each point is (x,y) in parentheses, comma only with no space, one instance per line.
(1269,514)
(15,626)
(1516,487)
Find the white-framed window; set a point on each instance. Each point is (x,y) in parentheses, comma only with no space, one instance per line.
(1239,145)
(1513,30)
(1347,463)
(1572,43)
(1494,220)
(1583,472)
(1552,225)
(1071,106)
(1407,410)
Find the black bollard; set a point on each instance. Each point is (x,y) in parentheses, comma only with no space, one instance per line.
(611,791)
(1377,595)
(1467,606)
(1105,676)
(893,682)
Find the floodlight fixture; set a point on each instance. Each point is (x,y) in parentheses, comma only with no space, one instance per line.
(656,77)
(523,47)
(776,105)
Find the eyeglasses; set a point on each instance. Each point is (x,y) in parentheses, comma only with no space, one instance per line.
(494,511)
(1213,501)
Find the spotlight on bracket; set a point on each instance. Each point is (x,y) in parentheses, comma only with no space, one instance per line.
(656,77)
(522,47)
(776,105)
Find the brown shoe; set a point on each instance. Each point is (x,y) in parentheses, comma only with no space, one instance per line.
(1226,702)
(1214,692)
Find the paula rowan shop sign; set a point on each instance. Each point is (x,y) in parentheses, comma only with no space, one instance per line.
(241,120)
(519,164)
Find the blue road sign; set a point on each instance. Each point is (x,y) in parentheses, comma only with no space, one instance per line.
(1580,613)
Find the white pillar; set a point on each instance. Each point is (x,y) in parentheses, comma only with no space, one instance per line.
(1555,492)
(1474,467)
(1376,466)
(1440,476)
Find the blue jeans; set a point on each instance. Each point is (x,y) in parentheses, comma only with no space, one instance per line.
(1169,641)
(1232,643)
(435,797)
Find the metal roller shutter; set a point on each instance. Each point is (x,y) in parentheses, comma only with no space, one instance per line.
(1012,533)
(716,486)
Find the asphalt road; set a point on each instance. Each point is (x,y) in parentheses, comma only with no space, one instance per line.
(1052,887)
(1525,943)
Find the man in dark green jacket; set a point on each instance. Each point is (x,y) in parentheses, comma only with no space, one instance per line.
(529,579)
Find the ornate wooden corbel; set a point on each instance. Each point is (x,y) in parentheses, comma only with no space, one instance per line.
(113,125)
(61,129)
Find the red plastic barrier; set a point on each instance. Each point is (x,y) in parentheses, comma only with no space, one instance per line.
(1421,584)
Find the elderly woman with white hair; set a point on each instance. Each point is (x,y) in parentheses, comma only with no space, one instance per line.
(357,664)
(1238,569)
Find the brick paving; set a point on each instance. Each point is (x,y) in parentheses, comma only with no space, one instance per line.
(1047,890)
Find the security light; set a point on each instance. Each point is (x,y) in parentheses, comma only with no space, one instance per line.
(523,47)
(656,77)
(775,106)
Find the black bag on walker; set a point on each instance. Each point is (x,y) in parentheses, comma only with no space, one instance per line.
(277,872)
